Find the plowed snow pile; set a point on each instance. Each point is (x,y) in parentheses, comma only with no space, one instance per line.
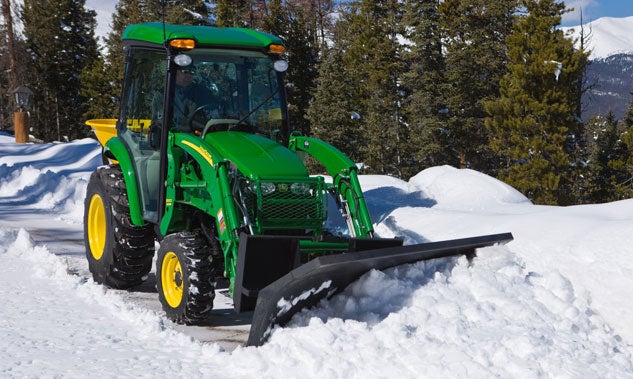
(555,302)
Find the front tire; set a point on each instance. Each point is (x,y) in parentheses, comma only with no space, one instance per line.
(185,277)
(119,253)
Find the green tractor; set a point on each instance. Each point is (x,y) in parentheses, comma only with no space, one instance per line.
(202,159)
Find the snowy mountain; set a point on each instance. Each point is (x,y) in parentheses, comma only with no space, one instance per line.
(611,81)
(555,302)
(606,36)
(610,74)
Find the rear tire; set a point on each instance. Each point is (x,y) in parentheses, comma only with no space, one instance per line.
(119,253)
(185,277)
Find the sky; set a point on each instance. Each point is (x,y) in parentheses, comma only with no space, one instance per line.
(553,303)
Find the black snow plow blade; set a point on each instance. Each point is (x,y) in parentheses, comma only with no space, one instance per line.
(324,276)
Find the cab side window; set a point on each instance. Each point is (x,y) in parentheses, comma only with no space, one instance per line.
(142,102)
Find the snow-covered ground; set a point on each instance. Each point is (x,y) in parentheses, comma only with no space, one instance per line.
(555,302)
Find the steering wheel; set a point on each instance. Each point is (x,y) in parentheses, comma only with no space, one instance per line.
(197,119)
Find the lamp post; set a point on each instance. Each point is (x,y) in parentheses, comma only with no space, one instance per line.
(20,117)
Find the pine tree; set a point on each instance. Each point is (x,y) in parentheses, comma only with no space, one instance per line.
(289,21)
(533,124)
(241,13)
(229,12)
(607,163)
(476,54)
(60,34)
(626,187)
(424,106)
(368,36)
(99,91)
(332,108)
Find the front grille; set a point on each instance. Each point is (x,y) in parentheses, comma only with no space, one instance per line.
(293,204)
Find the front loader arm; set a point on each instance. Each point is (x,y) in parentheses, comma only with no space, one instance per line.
(344,175)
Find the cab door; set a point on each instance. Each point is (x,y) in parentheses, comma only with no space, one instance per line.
(141,111)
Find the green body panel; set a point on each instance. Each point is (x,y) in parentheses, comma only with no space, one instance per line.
(203,35)
(257,156)
(117,149)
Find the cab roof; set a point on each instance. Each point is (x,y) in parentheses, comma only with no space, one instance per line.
(152,32)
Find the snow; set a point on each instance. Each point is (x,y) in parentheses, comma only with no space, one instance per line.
(606,36)
(555,302)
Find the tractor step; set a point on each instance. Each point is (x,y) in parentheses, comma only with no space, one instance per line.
(324,276)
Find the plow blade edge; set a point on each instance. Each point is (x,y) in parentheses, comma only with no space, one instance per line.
(324,276)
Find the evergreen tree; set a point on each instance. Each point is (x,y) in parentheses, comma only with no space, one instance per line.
(229,12)
(372,62)
(476,55)
(289,22)
(425,86)
(628,117)
(608,176)
(626,186)
(534,123)
(302,72)
(332,108)
(99,91)
(240,13)
(60,34)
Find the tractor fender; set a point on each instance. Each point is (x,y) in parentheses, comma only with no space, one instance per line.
(115,149)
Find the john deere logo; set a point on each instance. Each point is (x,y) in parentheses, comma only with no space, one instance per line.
(282,187)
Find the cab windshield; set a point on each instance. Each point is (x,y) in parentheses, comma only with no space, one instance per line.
(218,90)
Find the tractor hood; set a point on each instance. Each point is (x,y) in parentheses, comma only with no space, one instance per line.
(257,156)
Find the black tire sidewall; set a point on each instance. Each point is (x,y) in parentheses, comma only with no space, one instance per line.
(100,268)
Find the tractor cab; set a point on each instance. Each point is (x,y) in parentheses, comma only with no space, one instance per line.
(197,85)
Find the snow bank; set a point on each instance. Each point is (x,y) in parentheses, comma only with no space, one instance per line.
(57,323)
(48,177)
(448,318)
(465,189)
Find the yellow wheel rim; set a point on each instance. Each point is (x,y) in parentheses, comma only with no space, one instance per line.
(172,279)
(96,227)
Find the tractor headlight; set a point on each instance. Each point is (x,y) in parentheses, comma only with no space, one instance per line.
(300,188)
(265,188)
